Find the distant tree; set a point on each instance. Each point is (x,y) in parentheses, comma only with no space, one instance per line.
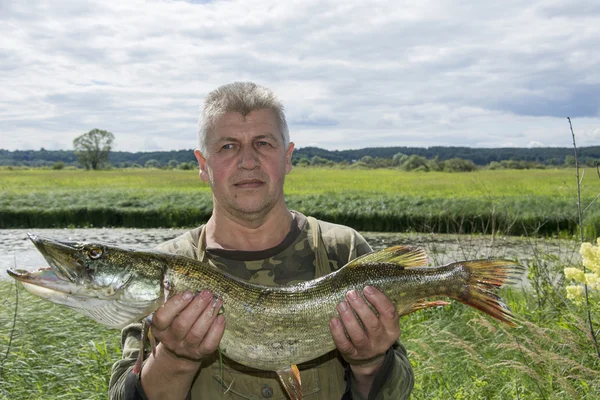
(415,162)
(58,165)
(459,165)
(569,161)
(152,164)
(435,164)
(495,165)
(320,161)
(368,160)
(187,165)
(92,148)
(173,164)
(398,159)
(303,162)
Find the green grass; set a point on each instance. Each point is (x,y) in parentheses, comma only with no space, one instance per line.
(458,353)
(511,202)
(315,181)
(55,353)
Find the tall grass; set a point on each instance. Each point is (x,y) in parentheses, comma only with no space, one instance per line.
(460,354)
(55,353)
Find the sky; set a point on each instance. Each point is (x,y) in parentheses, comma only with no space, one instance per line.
(351,74)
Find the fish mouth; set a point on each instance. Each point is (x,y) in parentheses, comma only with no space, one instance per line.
(62,257)
(47,284)
(63,282)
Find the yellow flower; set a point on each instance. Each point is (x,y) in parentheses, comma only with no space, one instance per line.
(575,293)
(592,280)
(590,256)
(575,274)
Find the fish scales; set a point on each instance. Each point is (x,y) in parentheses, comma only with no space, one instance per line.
(270,328)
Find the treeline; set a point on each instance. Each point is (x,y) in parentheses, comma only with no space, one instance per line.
(410,158)
(479,156)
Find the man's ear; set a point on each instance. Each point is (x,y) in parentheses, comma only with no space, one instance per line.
(288,158)
(201,165)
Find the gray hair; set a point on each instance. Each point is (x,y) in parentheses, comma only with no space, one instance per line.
(243,98)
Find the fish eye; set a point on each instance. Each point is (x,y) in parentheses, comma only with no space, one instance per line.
(94,253)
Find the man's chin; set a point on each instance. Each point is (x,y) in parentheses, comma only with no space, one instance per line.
(251,208)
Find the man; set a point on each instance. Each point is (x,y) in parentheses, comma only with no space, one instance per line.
(244,154)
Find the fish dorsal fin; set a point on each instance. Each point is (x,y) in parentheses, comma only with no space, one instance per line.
(401,256)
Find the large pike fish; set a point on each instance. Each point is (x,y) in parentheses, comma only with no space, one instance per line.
(268,328)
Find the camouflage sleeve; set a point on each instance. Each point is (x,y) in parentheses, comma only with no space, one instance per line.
(123,384)
(394,381)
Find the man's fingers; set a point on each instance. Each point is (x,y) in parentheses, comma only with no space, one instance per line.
(368,318)
(213,336)
(164,315)
(343,344)
(355,332)
(190,314)
(388,315)
(203,323)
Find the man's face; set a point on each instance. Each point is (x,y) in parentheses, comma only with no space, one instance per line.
(246,163)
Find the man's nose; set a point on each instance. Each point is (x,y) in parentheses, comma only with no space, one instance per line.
(248,158)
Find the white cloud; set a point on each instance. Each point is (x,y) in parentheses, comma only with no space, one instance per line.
(351,74)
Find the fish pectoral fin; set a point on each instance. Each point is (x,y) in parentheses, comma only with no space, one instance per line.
(400,256)
(422,305)
(290,379)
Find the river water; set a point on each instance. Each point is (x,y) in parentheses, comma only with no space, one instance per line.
(16,251)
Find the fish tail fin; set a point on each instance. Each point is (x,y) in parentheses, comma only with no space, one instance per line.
(483,279)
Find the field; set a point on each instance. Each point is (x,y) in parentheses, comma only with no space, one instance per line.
(50,352)
(513,202)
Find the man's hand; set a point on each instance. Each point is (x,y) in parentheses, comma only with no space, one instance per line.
(188,326)
(364,349)
(189,330)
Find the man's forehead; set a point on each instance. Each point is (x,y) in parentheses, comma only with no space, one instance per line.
(263,115)
(259,122)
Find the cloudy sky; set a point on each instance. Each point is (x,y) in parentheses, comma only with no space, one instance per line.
(351,73)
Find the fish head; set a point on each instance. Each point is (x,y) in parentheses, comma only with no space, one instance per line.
(113,285)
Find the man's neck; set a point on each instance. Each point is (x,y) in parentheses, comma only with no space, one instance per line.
(223,231)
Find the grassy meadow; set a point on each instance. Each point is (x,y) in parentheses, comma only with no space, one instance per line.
(513,202)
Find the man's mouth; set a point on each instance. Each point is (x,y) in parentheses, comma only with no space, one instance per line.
(249,184)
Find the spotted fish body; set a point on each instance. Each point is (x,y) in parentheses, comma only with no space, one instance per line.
(268,328)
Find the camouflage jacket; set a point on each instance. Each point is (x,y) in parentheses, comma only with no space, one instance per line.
(311,249)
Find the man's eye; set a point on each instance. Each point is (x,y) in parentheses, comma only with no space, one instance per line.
(227,146)
(262,143)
